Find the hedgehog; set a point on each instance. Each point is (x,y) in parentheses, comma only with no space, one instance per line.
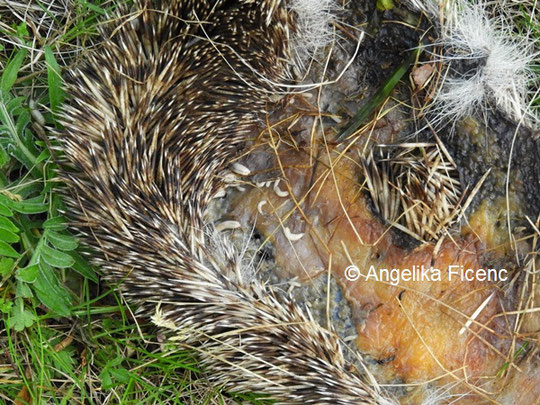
(155,115)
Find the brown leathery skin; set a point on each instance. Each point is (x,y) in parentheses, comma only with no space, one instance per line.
(154,116)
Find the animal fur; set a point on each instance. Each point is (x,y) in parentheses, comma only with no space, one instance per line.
(487,63)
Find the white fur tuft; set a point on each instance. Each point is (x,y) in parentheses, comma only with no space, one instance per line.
(499,59)
(315,27)
(443,395)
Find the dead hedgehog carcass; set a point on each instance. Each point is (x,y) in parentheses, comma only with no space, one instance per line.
(155,115)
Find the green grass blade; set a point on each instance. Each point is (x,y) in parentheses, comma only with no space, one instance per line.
(56,93)
(11,72)
(378,98)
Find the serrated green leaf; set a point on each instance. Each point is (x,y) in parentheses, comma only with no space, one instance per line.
(56,258)
(11,72)
(55,223)
(61,241)
(49,292)
(20,317)
(8,236)
(7,224)
(8,251)
(28,274)
(19,146)
(56,94)
(82,267)
(63,360)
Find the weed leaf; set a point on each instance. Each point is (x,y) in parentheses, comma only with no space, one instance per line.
(30,206)
(56,258)
(8,236)
(6,265)
(61,241)
(49,291)
(20,317)
(55,223)
(7,224)
(8,251)
(82,267)
(28,274)
(5,211)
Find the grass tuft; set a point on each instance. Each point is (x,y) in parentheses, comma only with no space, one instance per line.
(62,339)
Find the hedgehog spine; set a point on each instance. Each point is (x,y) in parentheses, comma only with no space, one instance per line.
(155,115)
